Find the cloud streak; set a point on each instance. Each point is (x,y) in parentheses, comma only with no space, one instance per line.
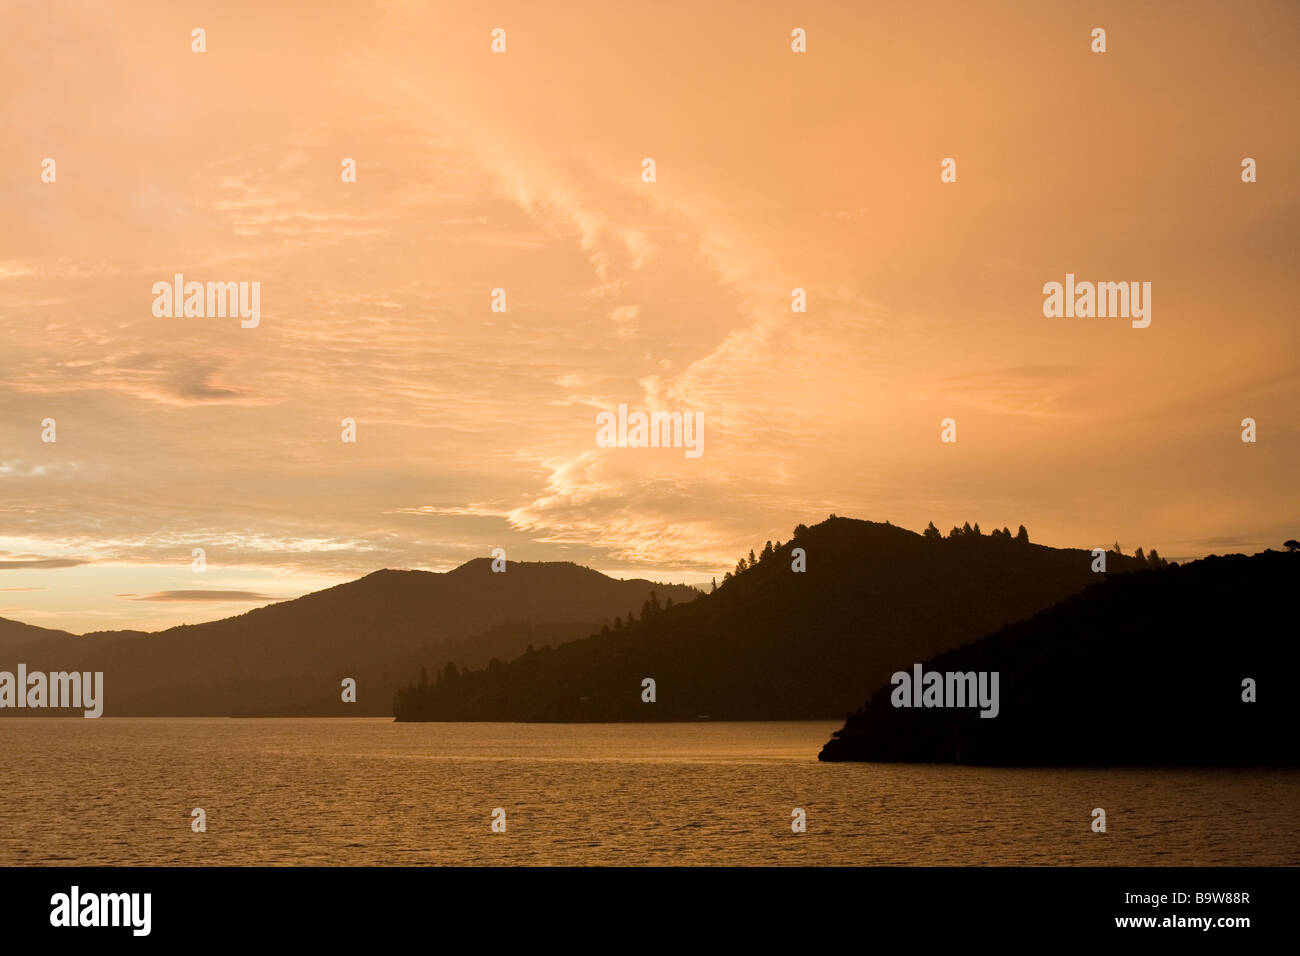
(202,596)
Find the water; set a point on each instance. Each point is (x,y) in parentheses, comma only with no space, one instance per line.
(372,792)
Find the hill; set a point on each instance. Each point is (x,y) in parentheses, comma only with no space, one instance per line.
(290,658)
(1144,668)
(777,644)
(15,634)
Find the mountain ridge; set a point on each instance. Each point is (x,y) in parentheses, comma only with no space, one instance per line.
(289,657)
(776,643)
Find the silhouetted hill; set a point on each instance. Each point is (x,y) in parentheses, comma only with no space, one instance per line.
(1143,668)
(773,643)
(15,634)
(290,658)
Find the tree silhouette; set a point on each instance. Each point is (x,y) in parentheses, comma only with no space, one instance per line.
(1291,545)
(1022,535)
(721,657)
(931,531)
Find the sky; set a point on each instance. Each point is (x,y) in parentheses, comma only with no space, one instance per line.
(522,171)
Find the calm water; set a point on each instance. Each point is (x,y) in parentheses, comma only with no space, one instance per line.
(369,791)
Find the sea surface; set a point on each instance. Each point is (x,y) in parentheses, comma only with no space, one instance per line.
(373,792)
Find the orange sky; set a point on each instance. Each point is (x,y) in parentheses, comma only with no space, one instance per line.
(521,171)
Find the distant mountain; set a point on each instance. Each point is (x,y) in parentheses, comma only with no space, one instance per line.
(775,643)
(1143,668)
(290,658)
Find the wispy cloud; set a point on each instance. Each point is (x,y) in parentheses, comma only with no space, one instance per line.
(201,596)
(31,562)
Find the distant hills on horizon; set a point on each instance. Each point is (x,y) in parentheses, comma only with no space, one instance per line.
(805,629)
(289,658)
(775,643)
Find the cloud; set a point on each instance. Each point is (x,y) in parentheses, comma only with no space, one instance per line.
(624,317)
(24,562)
(11,269)
(168,379)
(202,596)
